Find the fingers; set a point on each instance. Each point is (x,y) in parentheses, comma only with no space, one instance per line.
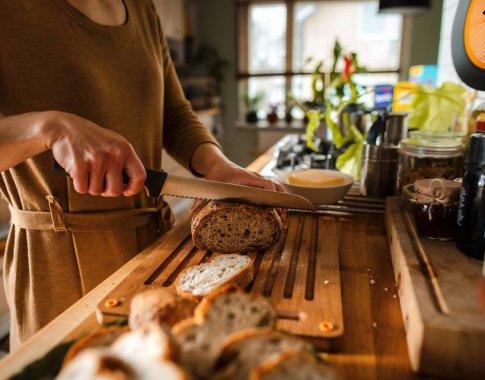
(136,174)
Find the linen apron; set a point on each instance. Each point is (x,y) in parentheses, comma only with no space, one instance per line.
(52,57)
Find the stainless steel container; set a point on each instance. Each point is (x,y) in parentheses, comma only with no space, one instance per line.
(396,128)
(379,170)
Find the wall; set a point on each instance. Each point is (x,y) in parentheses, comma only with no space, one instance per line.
(216,26)
(425,36)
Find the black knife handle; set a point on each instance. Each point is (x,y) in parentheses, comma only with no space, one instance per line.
(154,181)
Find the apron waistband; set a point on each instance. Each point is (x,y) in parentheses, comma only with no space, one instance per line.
(59,221)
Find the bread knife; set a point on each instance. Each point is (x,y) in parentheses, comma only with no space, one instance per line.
(159,182)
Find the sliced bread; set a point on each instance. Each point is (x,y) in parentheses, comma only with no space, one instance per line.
(234,227)
(292,365)
(103,338)
(149,342)
(197,281)
(247,350)
(96,364)
(160,306)
(219,315)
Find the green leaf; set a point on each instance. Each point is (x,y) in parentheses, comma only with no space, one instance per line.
(312,126)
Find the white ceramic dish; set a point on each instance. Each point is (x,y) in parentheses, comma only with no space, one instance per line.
(319,195)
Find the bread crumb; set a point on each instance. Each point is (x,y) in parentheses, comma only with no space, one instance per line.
(385,289)
(372,282)
(326,282)
(368,269)
(394,296)
(374,324)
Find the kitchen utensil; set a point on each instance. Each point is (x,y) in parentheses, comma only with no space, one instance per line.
(318,195)
(160,182)
(379,168)
(467,48)
(396,128)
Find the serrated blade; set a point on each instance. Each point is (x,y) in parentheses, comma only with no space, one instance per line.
(211,190)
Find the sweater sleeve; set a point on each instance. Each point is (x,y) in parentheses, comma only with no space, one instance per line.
(182,131)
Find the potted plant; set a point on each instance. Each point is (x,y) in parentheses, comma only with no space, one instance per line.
(272,115)
(252,103)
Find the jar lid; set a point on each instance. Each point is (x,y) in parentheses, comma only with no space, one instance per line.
(436,190)
(432,147)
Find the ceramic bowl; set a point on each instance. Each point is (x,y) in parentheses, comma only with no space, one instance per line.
(319,195)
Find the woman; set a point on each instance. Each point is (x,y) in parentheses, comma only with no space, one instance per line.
(88,83)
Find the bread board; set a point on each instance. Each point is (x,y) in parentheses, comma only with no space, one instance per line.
(300,276)
(438,291)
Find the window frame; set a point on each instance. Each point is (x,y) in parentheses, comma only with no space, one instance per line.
(243,75)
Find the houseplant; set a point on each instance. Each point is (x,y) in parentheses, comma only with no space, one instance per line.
(252,104)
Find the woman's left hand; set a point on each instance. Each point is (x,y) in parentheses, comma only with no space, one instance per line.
(213,165)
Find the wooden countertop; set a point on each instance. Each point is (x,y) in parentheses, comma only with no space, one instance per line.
(373,345)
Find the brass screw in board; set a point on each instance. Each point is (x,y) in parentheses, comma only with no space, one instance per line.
(326,326)
(111,303)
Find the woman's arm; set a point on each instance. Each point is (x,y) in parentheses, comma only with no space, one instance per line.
(93,156)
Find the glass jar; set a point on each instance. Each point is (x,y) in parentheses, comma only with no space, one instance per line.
(429,158)
(434,205)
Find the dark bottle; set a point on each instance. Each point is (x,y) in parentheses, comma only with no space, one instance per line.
(470,233)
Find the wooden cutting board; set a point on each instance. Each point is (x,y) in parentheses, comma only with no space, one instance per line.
(300,276)
(438,289)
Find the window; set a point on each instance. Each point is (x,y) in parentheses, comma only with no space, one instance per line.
(280,44)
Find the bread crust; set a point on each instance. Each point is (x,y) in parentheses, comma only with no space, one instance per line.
(243,278)
(159,305)
(104,337)
(203,212)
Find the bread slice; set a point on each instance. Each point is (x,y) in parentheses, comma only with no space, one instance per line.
(233,227)
(96,364)
(292,365)
(160,306)
(219,315)
(150,342)
(199,280)
(249,349)
(103,338)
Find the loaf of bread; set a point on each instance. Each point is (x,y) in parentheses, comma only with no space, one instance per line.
(159,305)
(249,349)
(219,315)
(233,227)
(291,365)
(199,280)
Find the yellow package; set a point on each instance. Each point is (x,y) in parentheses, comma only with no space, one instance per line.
(403,95)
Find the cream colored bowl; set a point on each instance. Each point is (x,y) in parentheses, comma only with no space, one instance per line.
(319,186)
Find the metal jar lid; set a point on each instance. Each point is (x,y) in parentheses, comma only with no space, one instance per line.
(431,147)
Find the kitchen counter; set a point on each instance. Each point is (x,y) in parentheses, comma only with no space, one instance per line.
(373,345)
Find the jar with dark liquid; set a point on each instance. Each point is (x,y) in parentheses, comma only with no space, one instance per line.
(434,204)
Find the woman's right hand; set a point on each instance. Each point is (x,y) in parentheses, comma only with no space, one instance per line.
(93,156)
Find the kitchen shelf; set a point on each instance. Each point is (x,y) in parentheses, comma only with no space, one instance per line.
(279,126)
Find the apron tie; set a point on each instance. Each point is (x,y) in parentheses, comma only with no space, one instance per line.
(113,220)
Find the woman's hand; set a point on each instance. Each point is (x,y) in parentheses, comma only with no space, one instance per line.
(209,161)
(93,156)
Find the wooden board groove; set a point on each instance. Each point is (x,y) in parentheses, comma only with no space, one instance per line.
(299,274)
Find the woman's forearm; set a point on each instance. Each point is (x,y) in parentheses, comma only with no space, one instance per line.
(22,137)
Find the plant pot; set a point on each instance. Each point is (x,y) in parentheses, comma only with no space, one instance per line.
(272,117)
(252,117)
